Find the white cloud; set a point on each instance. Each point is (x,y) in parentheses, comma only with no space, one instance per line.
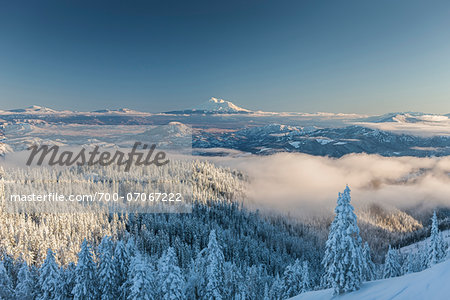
(309,184)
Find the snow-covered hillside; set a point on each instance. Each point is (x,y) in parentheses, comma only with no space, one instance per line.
(420,246)
(406,117)
(34,109)
(416,123)
(430,284)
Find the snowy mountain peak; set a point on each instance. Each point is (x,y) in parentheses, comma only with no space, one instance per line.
(216,105)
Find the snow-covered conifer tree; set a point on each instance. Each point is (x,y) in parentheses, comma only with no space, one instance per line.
(252,282)
(85,279)
(409,265)
(106,270)
(171,280)
(266,292)
(233,281)
(121,262)
(131,247)
(391,264)
(66,282)
(277,288)
(25,284)
(140,279)
(306,281)
(437,248)
(196,277)
(214,269)
(343,262)
(6,287)
(369,267)
(292,278)
(127,256)
(48,277)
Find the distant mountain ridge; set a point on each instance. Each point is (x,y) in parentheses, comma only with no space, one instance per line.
(33,109)
(221,106)
(333,142)
(406,117)
(219,123)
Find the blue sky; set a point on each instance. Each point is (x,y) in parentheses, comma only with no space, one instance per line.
(336,56)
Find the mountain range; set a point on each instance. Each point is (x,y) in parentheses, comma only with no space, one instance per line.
(219,125)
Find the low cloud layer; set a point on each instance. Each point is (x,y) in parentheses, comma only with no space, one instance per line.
(301,183)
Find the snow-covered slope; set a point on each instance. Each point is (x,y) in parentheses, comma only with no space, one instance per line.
(430,284)
(410,123)
(406,117)
(119,111)
(215,105)
(48,112)
(419,246)
(35,109)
